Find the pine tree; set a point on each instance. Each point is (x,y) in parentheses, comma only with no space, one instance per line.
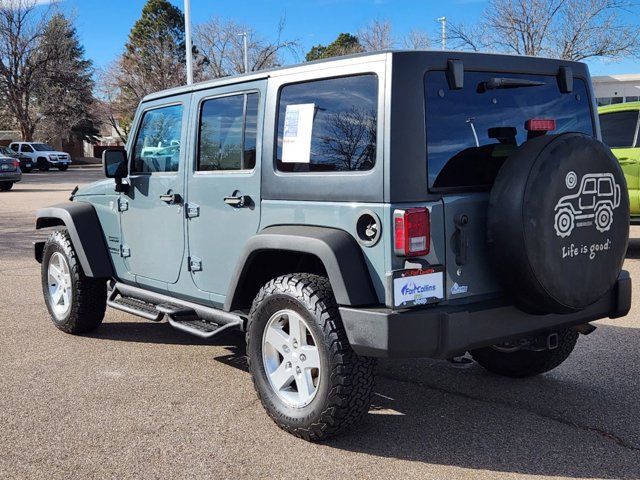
(153,60)
(64,97)
(344,44)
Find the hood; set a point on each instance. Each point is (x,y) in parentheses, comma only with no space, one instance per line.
(101,187)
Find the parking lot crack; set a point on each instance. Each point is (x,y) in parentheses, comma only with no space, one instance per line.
(585,428)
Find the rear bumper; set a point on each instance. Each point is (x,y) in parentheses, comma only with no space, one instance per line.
(11,176)
(447,331)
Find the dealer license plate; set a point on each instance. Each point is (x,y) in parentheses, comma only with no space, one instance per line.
(418,287)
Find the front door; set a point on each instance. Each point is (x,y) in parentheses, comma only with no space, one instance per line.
(223,207)
(152,215)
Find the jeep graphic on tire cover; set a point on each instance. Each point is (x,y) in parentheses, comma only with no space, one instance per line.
(593,203)
(557,223)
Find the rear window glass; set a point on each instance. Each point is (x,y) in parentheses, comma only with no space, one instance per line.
(472,131)
(619,128)
(328,125)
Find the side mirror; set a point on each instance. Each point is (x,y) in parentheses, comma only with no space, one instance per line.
(116,166)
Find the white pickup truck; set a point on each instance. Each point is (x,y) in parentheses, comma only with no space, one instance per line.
(43,155)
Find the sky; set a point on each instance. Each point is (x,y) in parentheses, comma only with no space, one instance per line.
(103,25)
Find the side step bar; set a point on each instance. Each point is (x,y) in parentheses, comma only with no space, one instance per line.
(199,320)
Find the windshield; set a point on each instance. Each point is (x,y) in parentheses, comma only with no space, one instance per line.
(42,147)
(6,151)
(619,128)
(472,131)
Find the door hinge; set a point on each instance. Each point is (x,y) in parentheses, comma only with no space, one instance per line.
(192,210)
(195,264)
(123,205)
(125,251)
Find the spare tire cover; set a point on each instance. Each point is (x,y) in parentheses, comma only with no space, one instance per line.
(558,223)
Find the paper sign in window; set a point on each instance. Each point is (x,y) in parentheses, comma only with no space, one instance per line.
(298,128)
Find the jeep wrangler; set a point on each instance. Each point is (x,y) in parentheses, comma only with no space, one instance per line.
(396,204)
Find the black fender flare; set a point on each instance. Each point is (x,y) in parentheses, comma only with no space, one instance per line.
(83,225)
(336,249)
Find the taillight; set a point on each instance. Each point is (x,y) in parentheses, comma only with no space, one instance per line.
(411,232)
(16,163)
(540,125)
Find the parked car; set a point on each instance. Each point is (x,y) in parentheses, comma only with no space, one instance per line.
(620,125)
(355,208)
(26,164)
(44,156)
(10,172)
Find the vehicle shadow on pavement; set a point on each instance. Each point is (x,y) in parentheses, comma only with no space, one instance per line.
(577,421)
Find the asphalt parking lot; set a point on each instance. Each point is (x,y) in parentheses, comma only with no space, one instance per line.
(138,399)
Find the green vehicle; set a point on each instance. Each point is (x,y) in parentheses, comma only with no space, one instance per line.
(620,124)
(394,204)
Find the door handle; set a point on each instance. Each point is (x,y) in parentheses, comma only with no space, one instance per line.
(461,239)
(239,201)
(171,198)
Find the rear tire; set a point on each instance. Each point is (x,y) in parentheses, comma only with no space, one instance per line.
(43,164)
(76,303)
(340,388)
(6,186)
(26,170)
(527,363)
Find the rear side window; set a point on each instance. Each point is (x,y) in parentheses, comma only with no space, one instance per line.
(15,147)
(328,125)
(228,128)
(619,128)
(157,147)
(472,131)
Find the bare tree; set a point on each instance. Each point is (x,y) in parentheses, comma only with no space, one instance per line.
(568,29)
(221,43)
(377,35)
(523,27)
(595,28)
(22,61)
(416,40)
(350,138)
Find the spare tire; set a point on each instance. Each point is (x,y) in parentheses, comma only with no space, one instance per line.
(558,223)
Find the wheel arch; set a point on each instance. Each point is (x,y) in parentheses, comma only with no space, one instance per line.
(82,223)
(286,249)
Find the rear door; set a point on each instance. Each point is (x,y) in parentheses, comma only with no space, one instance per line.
(223,207)
(620,132)
(470,134)
(152,215)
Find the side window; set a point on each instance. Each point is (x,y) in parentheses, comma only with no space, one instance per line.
(605,187)
(228,130)
(157,147)
(27,148)
(619,128)
(589,186)
(15,147)
(328,125)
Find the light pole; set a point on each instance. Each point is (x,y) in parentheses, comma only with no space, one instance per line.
(245,51)
(443,21)
(187,40)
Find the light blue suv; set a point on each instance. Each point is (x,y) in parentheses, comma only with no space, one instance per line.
(396,204)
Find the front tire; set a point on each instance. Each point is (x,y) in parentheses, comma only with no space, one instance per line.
(6,186)
(309,380)
(526,363)
(63,168)
(43,164)
(76,303)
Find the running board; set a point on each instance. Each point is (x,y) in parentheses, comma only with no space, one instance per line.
(200,328)
(199,320)
(134,307)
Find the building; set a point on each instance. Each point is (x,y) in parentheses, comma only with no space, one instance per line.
(611,89)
